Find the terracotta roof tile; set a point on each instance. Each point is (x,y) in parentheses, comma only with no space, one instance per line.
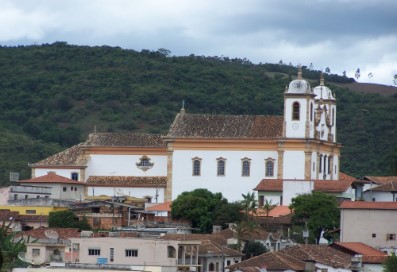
(386,187)
(366,205)
(380,179)
(277,211)
(160,207)
(319,253)
(127,181)
(370,254)
(64,233)
(73,156)
(124,139)
(270,185)
(225,126)
(51,177)
(272,261)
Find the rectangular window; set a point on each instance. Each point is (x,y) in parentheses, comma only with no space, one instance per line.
(131,252)
(111,255)
(196,167)
(94,252)
(373,235)
(35,252)
(26,196)
(390,237)
(221,168)
(246,168)
(64,189)
(261,201)
(30,211)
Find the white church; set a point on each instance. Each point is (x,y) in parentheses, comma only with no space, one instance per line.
(230,154)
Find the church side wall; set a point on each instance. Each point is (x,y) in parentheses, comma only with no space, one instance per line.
(124,165)
(297,160)
(232,184)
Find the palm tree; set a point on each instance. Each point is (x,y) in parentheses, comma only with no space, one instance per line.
(249,204)
(268,207)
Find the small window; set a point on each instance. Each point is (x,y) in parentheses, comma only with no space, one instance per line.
(221,167)
(373,235)
(269,168)
(325,164)
(35,252)
(71,188)
(171,252)
(131,252)
(26,196)
(319,164)
(15,197)
(38,196)
(228,262)
(64,189)
(311,112)
(261,201)
(296,111)
(246,167)
(390,237)
(94,252)
(30,211)
(75,176)
(196,166)
(314,166)
(329,165)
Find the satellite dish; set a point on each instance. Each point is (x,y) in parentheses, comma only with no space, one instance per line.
(22,257)
(51,234)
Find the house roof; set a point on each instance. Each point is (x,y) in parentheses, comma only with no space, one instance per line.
(327,186)
(215,238)
(370,254)
(366,205)
(277,211)
(210,247)
(323,254)
(188,125)
(51,177)
(380,179)
(64,233)
(75,155)
(161,207)
(126,181)
(385,187)
(272,261)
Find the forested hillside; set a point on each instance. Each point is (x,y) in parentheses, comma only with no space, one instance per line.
(52,96)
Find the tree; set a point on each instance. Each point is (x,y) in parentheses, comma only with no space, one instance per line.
(254,248)
(358,74)
(244,229)
(199,206)
(391,264)
(249,203)
(395,79)
(67,219)
(327,70)
(344,73)
(268,206)
(318,210)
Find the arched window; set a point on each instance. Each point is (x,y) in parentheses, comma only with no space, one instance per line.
(269,168)
(311,112)
(319,164)
(196,166)
(211,267)
(296,111)
(325,164)
(75,176)
(221,167)
(246,167)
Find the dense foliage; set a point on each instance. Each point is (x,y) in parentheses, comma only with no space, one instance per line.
(203,208)
(391,264)
(53,95)
(67,219)
(253,248)
(318,210)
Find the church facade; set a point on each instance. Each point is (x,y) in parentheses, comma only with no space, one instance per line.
(230,154)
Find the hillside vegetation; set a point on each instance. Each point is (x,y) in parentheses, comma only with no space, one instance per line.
(52,96)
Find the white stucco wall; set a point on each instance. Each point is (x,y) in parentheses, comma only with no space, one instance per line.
(295,128)
(294,165)
(293,188)
(232,185)
(124,165)
(378,196)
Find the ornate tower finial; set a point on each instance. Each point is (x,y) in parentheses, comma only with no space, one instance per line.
(299,72)
(183,106)
(321,79)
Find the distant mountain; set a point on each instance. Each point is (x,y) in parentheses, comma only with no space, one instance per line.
(53,95)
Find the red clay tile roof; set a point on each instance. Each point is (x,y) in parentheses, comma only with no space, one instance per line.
(126,181)
(225,126)
(370,254)
(64,233)
(386,187)
(365,205)
(161,207)
(75,155)
(51,177)
(272,261)
(327,186)
(277,211)
(319,253)
(380,179)
(124,139)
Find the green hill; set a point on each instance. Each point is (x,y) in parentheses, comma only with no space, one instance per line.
(52,96)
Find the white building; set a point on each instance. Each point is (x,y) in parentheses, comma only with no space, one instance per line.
(223,153)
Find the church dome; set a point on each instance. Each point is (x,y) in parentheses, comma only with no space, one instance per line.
(299,85)
(322,91)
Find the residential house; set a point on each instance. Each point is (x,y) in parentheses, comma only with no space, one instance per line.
(372,258)
(372,223)
(365,185)
(384,192)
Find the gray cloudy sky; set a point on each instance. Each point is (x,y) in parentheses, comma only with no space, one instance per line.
(340,34)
